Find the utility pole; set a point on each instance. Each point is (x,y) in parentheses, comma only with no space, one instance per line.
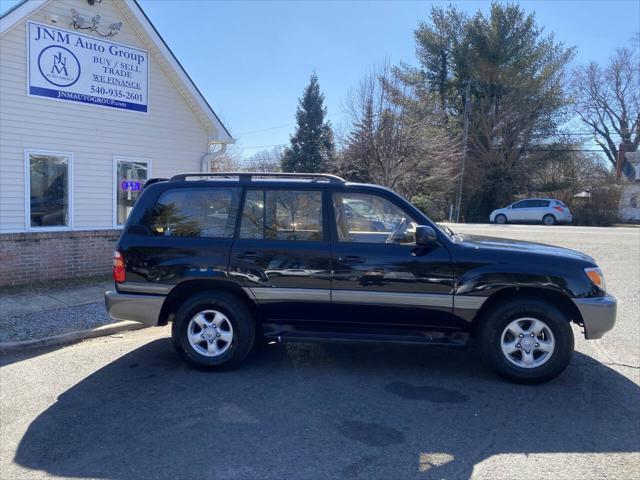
(465,136)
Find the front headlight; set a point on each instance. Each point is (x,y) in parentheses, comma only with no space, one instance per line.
(596,277)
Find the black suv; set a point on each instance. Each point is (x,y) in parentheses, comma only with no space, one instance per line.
(232,257)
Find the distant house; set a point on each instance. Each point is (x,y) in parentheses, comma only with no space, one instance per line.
(92,104)
(630,197)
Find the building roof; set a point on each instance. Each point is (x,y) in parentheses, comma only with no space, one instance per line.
(134,13)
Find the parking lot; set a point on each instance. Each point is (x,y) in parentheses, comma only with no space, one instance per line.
(129,408)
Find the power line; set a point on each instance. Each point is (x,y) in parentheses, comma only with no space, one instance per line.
(266,129)
(536,149)
(264,146)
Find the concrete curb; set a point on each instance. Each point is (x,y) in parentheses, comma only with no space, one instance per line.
(71,337)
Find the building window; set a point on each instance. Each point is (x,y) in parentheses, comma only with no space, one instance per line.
(130,175)
(48,190)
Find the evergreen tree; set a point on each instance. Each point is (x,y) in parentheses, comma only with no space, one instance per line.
(312,146)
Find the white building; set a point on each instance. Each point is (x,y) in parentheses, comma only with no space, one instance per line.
(92,103)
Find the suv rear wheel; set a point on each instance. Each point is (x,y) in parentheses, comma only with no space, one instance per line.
(213,330)
(527,340)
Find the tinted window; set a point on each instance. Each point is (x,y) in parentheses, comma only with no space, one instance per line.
(541,203)
(282,215)
(371,219)
(196,212)
(521,204)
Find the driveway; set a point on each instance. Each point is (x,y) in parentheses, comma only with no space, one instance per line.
(128,408)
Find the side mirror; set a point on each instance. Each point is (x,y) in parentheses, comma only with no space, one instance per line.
(426,236)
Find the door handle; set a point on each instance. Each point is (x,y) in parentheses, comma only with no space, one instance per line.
(247,255)
(351,259)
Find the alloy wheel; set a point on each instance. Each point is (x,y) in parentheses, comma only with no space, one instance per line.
(210,333)
(527,342)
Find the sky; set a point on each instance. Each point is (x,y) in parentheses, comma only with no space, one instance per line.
(252,60)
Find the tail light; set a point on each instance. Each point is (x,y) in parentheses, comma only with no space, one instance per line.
(119,273)
(560,209)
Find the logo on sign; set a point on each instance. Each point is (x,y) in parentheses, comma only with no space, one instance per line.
(59,66)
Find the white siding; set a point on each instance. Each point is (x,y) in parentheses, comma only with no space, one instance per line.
(171,135)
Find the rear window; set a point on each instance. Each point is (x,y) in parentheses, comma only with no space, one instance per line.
(558,202)
(196,212)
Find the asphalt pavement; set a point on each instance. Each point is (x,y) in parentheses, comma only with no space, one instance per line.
(128,408)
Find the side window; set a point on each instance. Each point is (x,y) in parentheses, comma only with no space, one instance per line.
(252,223)
(196,212)
(282,215)
(521,204)
(540,203)
(368,218)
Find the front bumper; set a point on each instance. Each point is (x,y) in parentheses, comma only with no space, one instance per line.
(139,308)
(598,315)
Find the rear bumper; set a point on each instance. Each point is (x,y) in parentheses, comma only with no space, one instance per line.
(139,308)
(598,315)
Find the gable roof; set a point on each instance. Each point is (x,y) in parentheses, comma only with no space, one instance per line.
(133,12)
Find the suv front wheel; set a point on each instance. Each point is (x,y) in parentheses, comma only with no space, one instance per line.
(213,330)
(527,340)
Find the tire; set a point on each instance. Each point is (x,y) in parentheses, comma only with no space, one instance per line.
(233,320)
(501,219)
(548,220)
(497,328)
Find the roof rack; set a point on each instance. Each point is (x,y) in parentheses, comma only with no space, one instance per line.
(249,176)
(151,181)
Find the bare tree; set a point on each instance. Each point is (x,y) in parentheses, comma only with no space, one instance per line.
(229,161)
(607,100)
(393,140)
(265,160)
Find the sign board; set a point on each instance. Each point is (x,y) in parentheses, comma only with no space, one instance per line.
(68,66)
(131,185)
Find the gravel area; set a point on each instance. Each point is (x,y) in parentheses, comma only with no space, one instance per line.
(37,325)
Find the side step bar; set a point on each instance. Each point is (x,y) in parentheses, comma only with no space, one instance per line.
(457,339)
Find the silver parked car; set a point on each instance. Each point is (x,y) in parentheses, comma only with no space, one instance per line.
(533,210)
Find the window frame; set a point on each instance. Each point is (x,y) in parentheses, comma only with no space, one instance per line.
(27,190)
(114,184)
(334,227)
(326,235)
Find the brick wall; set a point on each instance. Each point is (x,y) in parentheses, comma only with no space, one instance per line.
(28,257)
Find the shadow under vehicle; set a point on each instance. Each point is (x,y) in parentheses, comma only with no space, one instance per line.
(378,412)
